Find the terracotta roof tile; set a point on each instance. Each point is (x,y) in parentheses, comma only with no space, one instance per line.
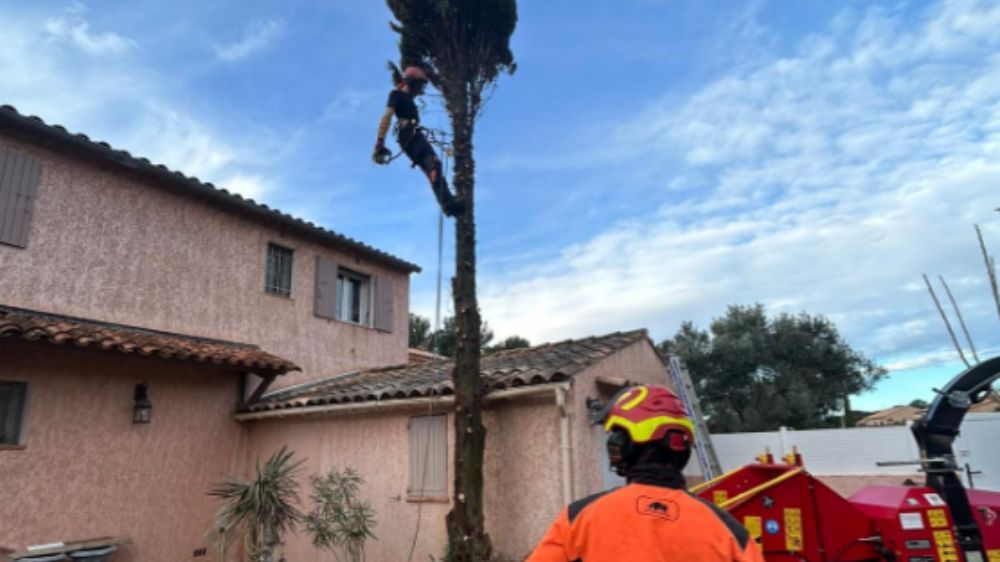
(11,119)
(542,364)
(415,355)
(57,329)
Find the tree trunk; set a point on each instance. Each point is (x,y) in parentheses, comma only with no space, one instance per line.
(467,539)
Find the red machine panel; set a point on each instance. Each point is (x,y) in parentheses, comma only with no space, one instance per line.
(986,506)
(914,522)
(793,516)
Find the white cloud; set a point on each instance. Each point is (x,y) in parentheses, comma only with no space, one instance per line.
(253,187)
(256,37)
(929,359)
(77,31)
(836,176)
(122,101)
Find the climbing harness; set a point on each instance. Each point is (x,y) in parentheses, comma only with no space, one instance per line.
(436,137)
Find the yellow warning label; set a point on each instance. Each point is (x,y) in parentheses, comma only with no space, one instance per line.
(993,555)
(720,497)
(793,529)
(945,546)
(937,518)
(752,523)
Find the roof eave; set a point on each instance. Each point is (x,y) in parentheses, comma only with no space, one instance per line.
(34,127)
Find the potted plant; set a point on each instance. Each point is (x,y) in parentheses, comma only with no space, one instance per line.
(262,508)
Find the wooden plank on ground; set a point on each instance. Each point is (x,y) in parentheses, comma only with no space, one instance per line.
(70,546)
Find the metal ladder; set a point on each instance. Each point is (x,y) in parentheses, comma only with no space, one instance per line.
(707,457)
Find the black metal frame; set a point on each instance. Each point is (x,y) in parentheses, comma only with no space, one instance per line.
(936,433)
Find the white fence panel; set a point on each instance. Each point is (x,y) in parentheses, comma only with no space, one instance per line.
(738,449)
(979,447)
(856,451)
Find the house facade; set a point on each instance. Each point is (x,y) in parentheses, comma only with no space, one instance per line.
(76,465)
(117,277)
(113,237)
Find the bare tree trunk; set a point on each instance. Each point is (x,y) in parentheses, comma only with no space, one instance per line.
(961,320)
(467,539)
(947,324)
(991,272)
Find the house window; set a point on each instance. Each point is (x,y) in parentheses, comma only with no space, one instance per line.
(428,458)
(12,399)
(279,270)
(354,297)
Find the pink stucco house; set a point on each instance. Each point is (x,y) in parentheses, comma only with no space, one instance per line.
(158,334)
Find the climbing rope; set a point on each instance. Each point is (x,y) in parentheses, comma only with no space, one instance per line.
(438,138)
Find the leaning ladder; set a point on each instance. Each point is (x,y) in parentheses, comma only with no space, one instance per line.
(707,457)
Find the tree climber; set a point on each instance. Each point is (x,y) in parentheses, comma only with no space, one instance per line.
(411,137)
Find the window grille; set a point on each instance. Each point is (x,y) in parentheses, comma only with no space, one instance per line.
(279,270)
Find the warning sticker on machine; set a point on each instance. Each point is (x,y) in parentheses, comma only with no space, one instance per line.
(993,555)
(720,497)
(793,529)
(934,499)
(911,520)
(937,518)
(945,546)
(752,523)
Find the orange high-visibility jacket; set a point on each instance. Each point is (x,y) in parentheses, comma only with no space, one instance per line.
(645,523)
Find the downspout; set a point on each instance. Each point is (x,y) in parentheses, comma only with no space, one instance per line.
(565,448)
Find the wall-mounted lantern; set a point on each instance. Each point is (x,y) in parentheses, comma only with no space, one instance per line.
(143,409)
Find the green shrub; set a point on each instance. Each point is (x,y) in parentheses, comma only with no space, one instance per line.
(340,522)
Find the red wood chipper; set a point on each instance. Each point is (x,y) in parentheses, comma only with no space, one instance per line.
(795,517)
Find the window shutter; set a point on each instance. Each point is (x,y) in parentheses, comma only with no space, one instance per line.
(326,287)
(428,457)
(19,175)
(383,303)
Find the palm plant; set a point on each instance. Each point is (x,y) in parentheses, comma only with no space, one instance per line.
(263,508)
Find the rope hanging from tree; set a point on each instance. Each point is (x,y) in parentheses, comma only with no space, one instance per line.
(439,139)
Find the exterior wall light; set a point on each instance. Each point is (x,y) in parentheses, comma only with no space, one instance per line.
(143,409)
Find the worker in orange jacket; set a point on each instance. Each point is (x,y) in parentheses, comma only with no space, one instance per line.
(651,518)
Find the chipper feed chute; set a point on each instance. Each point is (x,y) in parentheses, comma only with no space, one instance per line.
(793,515)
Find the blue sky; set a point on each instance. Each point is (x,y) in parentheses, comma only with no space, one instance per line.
(650,162)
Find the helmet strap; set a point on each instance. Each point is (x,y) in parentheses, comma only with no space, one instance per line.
(622,453)
(673,450)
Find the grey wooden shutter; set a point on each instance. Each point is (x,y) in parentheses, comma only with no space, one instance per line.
(383,303)
(326,288)
(428,457)
(19,175)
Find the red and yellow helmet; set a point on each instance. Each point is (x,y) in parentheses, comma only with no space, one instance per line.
(416,73)
(648,412)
